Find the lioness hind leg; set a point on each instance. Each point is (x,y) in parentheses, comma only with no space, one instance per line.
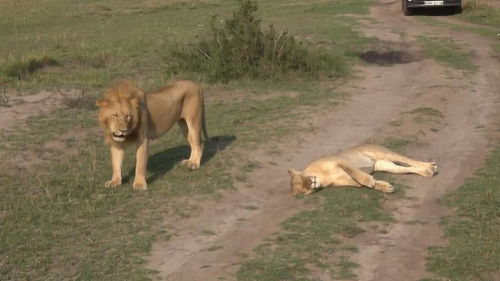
(426,169)
(391,167)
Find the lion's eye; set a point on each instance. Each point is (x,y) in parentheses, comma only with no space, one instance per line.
(115,115)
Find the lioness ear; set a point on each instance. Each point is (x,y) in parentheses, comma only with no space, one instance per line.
(292,172)
(102,103)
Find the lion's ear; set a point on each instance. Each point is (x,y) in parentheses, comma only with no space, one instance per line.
(102,103)
(292,172)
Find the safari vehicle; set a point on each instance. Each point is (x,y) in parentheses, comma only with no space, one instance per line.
(409,5)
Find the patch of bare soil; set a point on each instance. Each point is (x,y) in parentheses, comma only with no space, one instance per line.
(467,104)
(211,246)
(16,109)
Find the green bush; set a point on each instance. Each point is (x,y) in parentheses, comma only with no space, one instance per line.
(22,69)
(241,48)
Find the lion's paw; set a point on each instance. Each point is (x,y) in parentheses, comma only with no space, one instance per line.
(140,185)
(113,183)
(190,165)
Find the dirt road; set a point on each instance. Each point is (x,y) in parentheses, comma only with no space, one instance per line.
(245,217)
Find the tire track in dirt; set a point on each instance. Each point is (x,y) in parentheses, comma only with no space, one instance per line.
(459,149)
(238,229)
(243,218)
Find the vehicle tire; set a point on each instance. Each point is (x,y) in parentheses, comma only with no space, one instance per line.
(406,10)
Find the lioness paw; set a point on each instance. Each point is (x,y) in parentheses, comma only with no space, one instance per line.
(113,183)
(434,168)
(429,171)
(384,186)
(140,185)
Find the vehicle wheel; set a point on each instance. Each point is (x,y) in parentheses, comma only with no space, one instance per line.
(406,10)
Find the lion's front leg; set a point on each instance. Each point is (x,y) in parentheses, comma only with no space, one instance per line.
(116,163)
(140,166)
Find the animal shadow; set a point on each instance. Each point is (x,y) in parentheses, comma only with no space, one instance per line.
(162,162)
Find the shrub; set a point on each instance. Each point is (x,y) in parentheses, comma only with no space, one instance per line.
(22,69)
(241,48)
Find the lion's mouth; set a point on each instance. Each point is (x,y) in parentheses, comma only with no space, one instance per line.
(118,136)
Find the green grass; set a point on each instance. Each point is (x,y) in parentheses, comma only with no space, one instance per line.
(241,47)
(426,115)
(96,42)
(21,70)
(447,52)
(473,229)
(474,11)
(427,111)
(478,11)
(482,31)
(401,143)
(312,240)
(57,221)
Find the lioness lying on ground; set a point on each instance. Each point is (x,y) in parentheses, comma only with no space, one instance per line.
(130,117)
(353,168)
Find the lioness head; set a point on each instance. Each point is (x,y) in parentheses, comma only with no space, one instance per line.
(120,114)
(301,184)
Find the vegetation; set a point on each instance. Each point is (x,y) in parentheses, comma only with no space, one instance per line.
(96,42)
(478,11)
(473,229)
(241,48)
(22,69)
(447,52)
(57,220)
(311,240)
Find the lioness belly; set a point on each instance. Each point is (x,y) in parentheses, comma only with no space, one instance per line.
(357,160)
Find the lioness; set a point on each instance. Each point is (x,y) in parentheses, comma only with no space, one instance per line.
(353,168)
(130,117)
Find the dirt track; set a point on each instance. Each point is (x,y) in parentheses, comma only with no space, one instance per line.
(382,95)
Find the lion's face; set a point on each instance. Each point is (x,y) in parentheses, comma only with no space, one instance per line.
(119,116)
(301,184)
(121,121)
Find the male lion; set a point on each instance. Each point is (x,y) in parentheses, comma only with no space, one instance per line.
(353,168)
(129,116)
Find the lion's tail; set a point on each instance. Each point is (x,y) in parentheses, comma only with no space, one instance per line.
(204,124)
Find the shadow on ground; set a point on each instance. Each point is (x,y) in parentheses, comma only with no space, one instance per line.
(162,162)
